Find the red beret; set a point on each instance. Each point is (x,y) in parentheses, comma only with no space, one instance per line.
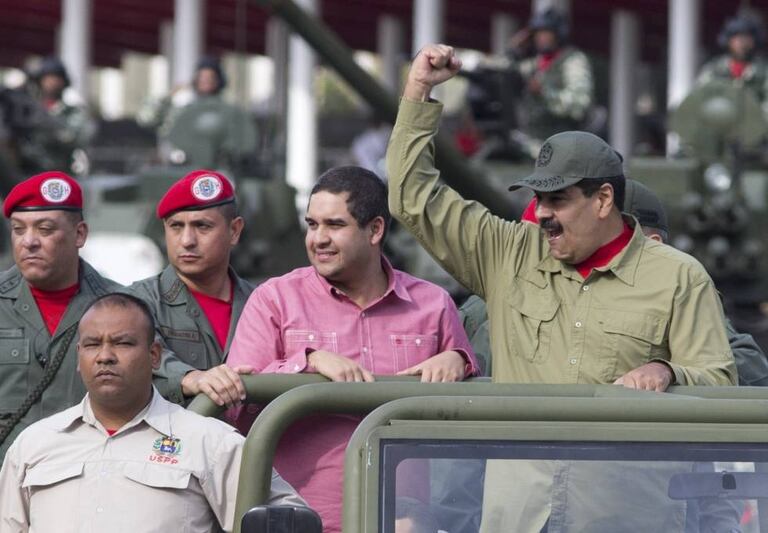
(45,192)
(197,190)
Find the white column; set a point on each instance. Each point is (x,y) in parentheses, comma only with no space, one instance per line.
(563,6)
(684,23)
(76,42)
(188,35)
(391,47)
(503,26)
(301,150)
(165,46)
(428,23)
(625,35)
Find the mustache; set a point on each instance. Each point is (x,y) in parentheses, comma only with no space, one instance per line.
(549,224)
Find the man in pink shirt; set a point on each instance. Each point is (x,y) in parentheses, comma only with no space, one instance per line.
(348,316)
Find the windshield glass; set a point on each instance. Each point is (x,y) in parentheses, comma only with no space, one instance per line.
(572,487)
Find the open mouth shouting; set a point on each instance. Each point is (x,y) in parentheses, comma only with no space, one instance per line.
(552,229)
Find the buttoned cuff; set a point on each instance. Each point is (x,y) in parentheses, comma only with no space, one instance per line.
(421,115)
(470,365)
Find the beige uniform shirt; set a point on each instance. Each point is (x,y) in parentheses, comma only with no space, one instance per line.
(167,470)
(547,323)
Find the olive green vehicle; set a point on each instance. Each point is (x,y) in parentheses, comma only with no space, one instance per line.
(694,459)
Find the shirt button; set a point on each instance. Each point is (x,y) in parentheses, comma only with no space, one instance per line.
(577,324)
(418,341)
(99,509)
(14,353)
(365,348)
(25,307)
(572,361)
(585,288)
(296,368)
(362,315)
(311,337)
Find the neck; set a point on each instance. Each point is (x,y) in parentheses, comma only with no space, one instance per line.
(216,286)
(115,416)
(57,284)
(613,228)
(369,285)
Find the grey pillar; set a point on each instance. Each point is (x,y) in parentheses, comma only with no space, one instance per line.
(188,35)
(428,23)
(76,42)
(277,50)
(503,26)
(165,42)
(625,35)
(391,47)
(301,157)
(564,6)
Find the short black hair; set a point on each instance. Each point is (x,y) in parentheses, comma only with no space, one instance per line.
(590,186)
(125,300)
(229,210)
(367,194)
(419,513)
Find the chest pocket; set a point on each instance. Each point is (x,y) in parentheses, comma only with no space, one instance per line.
(629,340)
(46,475)
(533,326)
(299,340)
(409,350)
(14,348)
(157,476)
(191,352)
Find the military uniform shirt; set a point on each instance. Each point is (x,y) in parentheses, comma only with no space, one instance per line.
(547,323)
(754,77)
(166,470)
(186,333)
(26,347)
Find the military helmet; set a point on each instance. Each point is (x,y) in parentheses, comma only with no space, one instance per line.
(742,23)
(214,64)
(51,65)
(550,19)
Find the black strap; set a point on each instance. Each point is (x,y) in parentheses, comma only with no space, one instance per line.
(50,372)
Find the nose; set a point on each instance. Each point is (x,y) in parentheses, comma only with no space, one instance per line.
(321,236)
(106,355)
(543,210)
(188,237)
(30,240)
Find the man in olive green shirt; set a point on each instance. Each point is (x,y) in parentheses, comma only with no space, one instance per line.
(42,298)
(198,298)
(643,204)
(648,318)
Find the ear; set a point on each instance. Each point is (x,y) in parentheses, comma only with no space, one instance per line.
(235,230)
(377,227)
(656,237)
(155,353)
(81,231)
(605,200)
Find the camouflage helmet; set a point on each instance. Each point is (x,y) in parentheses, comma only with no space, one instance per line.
(51,65)
(741,24)
(552,20)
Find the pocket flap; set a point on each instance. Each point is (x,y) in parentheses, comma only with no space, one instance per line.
(421,341)
(532,302)
(163,477)
(14,350)
(48,474)
(643,326)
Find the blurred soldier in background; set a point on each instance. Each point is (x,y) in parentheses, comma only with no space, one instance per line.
(197,128)
(558,88)
(44,126)
(741,38)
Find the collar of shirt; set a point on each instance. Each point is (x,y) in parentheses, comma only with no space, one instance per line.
(605,253)
(155,414)
(624,265)
(394,285)
(738,68)
(544,61)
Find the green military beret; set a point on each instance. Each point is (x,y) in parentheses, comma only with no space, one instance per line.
(569,157)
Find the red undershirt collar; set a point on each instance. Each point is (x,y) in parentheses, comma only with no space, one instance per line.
(605,253)
(53,304)
(737,68)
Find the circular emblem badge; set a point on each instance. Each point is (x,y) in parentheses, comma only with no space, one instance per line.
(206,188)
(55,190)
(545,155)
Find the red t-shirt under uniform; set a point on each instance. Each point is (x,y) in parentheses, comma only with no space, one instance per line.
(218,312)
(53,304)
